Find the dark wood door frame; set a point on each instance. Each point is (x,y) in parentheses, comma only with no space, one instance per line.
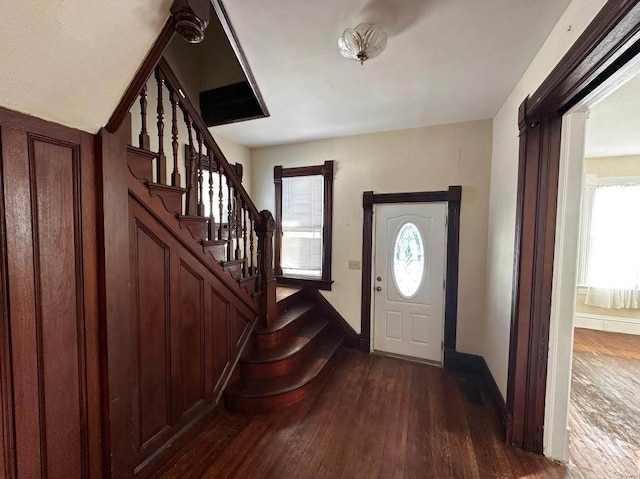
(608,43)
(452,197)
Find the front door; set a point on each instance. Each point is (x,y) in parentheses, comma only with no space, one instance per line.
(408,281)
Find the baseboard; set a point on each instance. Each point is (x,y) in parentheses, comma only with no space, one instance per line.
(463,362)
(475,364)
(612,324)
(352,339)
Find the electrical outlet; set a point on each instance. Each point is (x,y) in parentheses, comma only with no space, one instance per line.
(354,264)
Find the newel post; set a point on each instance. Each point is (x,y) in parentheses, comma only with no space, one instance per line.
(265,229)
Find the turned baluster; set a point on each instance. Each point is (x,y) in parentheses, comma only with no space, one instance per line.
(143,137)
(190,166)
(200,182)
(212,223)
(244,242)
(237,208)
(229,219)
(252,232)
(175,174)
(161,164)
(220,199)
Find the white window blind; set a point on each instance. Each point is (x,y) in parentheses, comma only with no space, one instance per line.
(302,205)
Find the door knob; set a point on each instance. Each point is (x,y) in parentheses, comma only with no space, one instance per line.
(378,288)
(379,278)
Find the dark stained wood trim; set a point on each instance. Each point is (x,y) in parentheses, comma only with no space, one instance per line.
(327,229)
(352,339)
(474,364)
(367,271)
(35,125)
(322,284)
(453,197)
(277,239)
(302,171)
(453,260)
(114,300)
(141,76)
(607,44)
(221,12)
(8,461)
(326,170)
(418,197)
(612,34)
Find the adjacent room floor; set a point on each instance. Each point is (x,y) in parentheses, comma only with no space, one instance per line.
(376,417)
(604,412)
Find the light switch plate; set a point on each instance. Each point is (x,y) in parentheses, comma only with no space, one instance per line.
(354,264)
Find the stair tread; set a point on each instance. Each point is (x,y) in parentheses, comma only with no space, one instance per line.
(298,341)
(203,219)
(246,279)
(215,243)
(286,318)
(234,261)
(308,371)
(285,292)
(151,155)
(160,186)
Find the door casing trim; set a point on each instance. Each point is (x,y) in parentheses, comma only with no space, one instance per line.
(452,197)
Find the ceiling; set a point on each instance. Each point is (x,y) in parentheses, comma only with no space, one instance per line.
(613,128)
(446,61)
(70,61)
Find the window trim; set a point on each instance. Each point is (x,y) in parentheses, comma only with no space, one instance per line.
(326,171)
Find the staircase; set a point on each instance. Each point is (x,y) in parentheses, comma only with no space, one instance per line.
(285,360)
(198,197)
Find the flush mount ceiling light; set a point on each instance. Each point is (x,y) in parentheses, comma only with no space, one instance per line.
(362,43)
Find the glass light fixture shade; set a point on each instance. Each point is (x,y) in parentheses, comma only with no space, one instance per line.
(362,43)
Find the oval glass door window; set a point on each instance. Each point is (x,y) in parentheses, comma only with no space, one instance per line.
(408,260)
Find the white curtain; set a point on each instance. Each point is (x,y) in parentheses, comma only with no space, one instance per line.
(613,276)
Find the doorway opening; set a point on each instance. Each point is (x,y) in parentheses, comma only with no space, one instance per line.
(591,417)
(409,282)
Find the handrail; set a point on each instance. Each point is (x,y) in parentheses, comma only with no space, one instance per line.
(199,124)
(231,226)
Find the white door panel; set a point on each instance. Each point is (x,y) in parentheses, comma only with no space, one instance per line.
(409,279)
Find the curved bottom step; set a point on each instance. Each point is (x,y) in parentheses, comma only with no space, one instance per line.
(262,395)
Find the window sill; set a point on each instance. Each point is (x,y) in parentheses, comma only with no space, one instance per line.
(313,283)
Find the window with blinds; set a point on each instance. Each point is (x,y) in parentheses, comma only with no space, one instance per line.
(302,216)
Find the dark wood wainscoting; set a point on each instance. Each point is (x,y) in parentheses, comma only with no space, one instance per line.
(187,329)
(49,367)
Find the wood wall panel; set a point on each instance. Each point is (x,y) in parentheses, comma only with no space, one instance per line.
(220,340)
(186,338)
(49,280)
(59,306)
(151,268)
(192,358)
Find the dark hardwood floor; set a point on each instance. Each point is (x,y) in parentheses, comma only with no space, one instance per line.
(604,412)
(376,417)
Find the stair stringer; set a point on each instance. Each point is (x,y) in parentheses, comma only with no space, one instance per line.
(156,207)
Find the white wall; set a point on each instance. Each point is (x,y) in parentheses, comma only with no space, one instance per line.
(237,153)
(71,61)
(421,159)
(504,166)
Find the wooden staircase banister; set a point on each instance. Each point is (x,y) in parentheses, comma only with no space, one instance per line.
(201,127)
(220,214)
